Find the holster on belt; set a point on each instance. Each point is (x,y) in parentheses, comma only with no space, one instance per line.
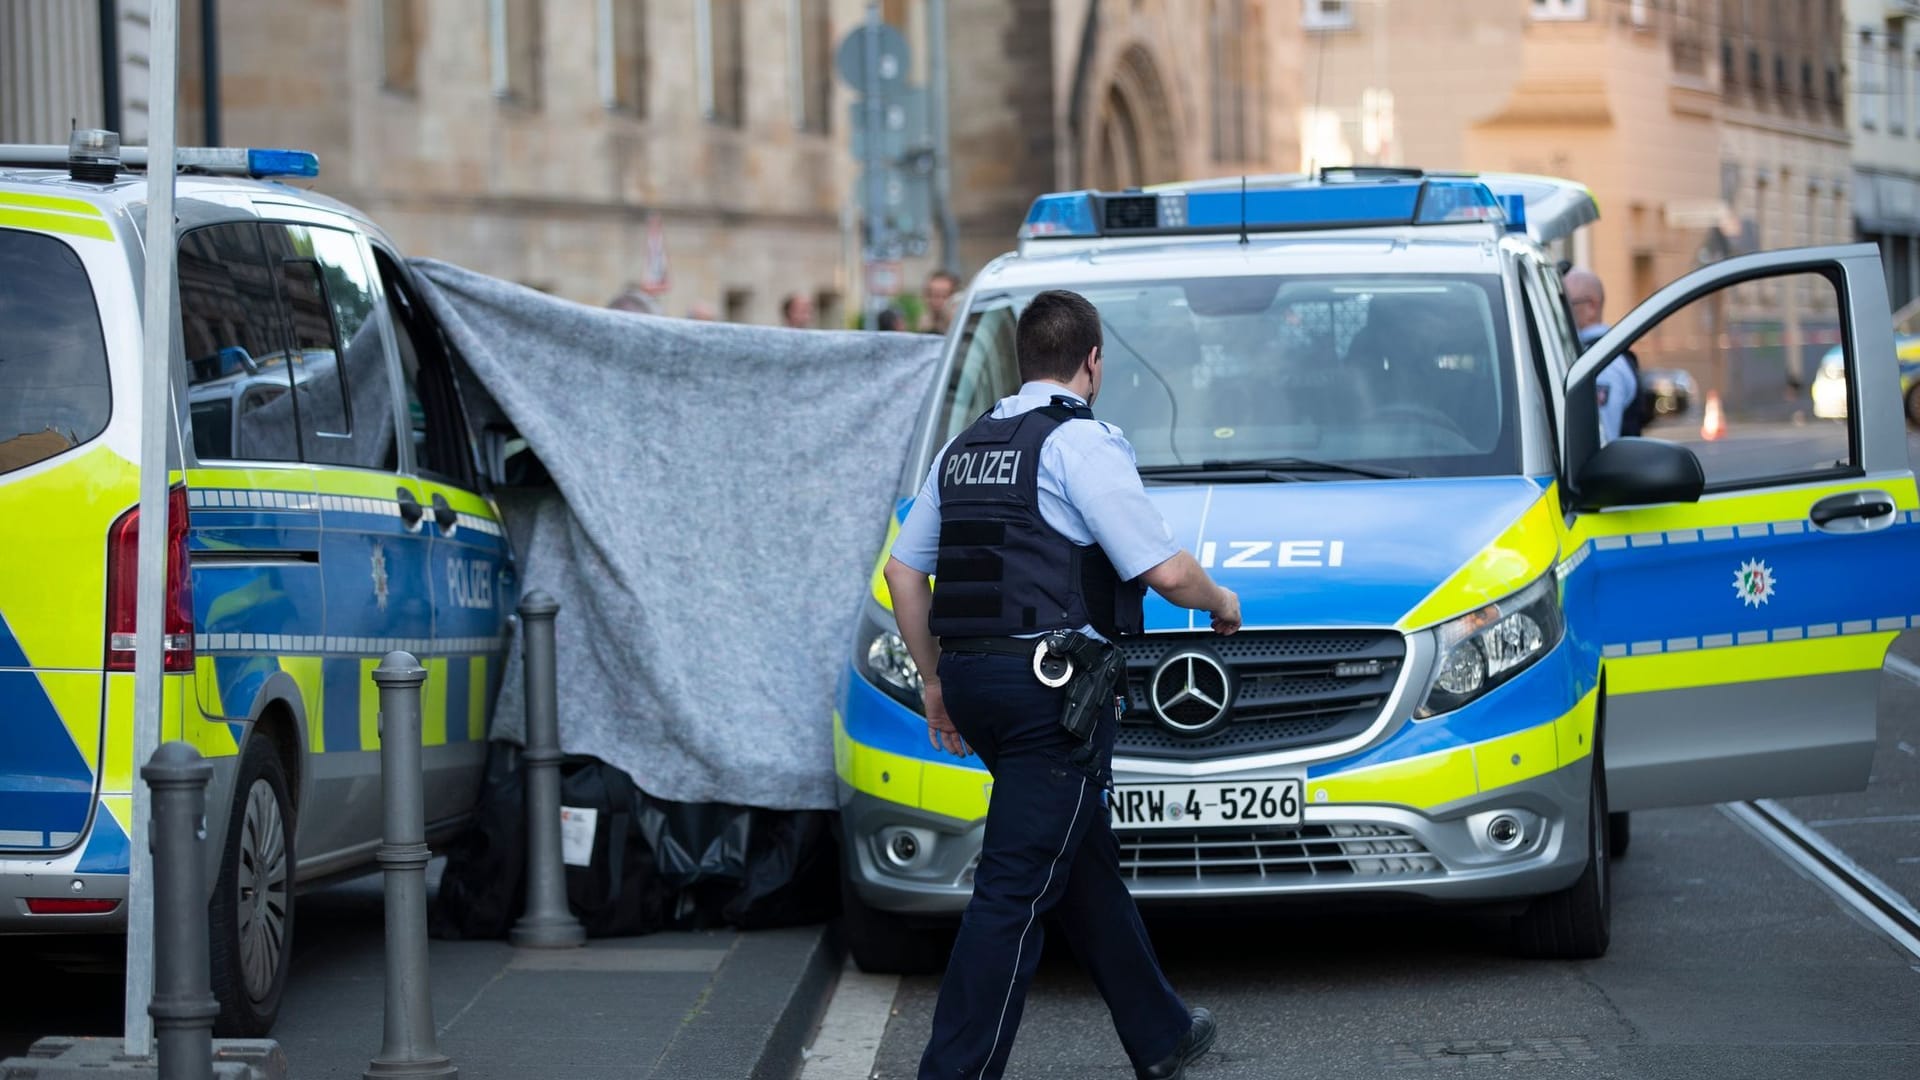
(1096,668)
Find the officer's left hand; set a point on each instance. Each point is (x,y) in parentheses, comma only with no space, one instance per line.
(940,730)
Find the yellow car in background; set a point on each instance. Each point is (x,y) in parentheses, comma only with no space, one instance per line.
(1830,385)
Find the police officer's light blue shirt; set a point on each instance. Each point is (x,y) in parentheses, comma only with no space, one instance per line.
(1615,387)
(1089,492)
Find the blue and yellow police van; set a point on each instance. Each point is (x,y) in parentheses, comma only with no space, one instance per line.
(325,509)
(1476,634)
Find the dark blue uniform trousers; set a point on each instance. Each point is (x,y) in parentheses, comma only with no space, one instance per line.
(1049,851)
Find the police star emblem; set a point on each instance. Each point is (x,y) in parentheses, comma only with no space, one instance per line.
(1753,582)
(380,576)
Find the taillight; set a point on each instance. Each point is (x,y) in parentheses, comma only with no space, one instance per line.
(123,580)
(56,905)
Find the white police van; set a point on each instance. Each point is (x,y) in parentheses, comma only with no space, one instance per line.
(1474,636)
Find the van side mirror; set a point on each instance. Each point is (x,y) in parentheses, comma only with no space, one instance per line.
(1633,471)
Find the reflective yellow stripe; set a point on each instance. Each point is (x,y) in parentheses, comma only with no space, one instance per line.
(305,672)
(433,702)
(882,594)
(76,697)
(955,790)
(39,221)
(369,485)
(1748,663)
(1573,733)
(1523,552)
(56,203)
(1419,782)
(1522,755)
(462,500)
(293,477)
(477,699)
(1731,510)
(369,705)
(876,772)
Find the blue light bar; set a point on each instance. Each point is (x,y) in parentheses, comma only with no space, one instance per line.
(1288,206)
(282,163)
(1063,215)
(1515,207)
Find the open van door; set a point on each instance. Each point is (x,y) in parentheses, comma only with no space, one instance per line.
(1740,631)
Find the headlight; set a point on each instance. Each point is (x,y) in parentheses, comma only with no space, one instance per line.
(882,657)
(1484,648)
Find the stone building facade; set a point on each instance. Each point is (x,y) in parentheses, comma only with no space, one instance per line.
(1883,51)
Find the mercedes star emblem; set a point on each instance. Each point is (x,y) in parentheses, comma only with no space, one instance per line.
(1191,692)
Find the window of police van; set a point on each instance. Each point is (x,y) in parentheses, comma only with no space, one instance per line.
(344,391)
(1750,352)
(1396,375)
(238,369)
(54,389)
(433,408)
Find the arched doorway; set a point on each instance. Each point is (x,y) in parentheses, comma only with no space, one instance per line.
(1133,142)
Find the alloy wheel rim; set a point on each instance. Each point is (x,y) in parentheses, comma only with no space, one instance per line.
(262,884)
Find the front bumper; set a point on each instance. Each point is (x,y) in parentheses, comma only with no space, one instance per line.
(1346,850)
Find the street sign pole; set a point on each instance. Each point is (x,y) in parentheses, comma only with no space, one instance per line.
(937,122)
(875,193)
(155,431)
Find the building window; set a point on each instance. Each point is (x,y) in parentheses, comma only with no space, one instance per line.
(1896,87)
(1327,14)
(400,45)
(811,54)
(623,55)
(515,36)
(738,305)
(1868,82)
(1559,9)
(722,58)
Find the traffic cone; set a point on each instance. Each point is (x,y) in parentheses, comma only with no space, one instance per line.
(1712,423)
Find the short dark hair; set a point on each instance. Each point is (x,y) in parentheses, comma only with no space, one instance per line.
(786,304)
(1055,333)
(951,278)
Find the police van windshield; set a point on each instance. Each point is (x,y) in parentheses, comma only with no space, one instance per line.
(1406,375)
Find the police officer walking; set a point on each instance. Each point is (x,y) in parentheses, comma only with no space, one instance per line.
(1043,540)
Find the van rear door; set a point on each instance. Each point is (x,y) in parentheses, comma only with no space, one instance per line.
(61,489)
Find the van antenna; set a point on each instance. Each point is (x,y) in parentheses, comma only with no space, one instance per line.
(1243,208)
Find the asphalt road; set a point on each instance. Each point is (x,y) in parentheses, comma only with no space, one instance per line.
(1727,961)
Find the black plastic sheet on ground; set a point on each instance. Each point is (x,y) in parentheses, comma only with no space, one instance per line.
(655,864)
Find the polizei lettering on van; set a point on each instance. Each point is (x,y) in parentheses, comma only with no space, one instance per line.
(982,467)
(470,584)
(1280,554)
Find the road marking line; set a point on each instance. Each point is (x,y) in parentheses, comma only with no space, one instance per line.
(1905,668)
(1849,882)
(850,1032)
(1891,819)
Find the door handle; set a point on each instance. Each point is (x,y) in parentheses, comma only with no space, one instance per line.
(410,509)
(1853,511)
(443,513)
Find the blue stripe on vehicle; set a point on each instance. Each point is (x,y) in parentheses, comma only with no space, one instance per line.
(459,673)
(340,692)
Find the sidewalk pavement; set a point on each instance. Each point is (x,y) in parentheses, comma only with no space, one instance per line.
(698,1005)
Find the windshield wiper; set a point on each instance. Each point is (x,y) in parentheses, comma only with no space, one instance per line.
(1279,468)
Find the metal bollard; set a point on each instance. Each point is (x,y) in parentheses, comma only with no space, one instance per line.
(408,1048)
(183,1007)
(547,922)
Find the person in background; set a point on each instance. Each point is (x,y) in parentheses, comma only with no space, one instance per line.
(936,302)
(796,312)
(632,299)
(890,320)
(1618,388)
(702,312)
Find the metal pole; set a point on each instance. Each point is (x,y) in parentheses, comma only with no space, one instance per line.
(547,923)
(210,70)
(876,185)
(110,65)
(408,1048)
(942,177)
(155,435)
(183,1007)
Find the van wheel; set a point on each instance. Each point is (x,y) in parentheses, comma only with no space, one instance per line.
(251,924)
(1619,834)
(1576,923)
(883,943)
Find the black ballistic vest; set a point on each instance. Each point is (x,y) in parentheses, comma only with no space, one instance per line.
(1002,570)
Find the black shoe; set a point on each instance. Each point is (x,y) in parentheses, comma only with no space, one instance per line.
(1198,1040)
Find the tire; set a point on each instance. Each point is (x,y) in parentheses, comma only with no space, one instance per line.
(250,924)
(1619,834)
(883,943)
(1576,923)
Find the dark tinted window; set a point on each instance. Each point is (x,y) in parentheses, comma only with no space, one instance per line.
(340,367)
(438,431)
(236,347)
(53,361)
